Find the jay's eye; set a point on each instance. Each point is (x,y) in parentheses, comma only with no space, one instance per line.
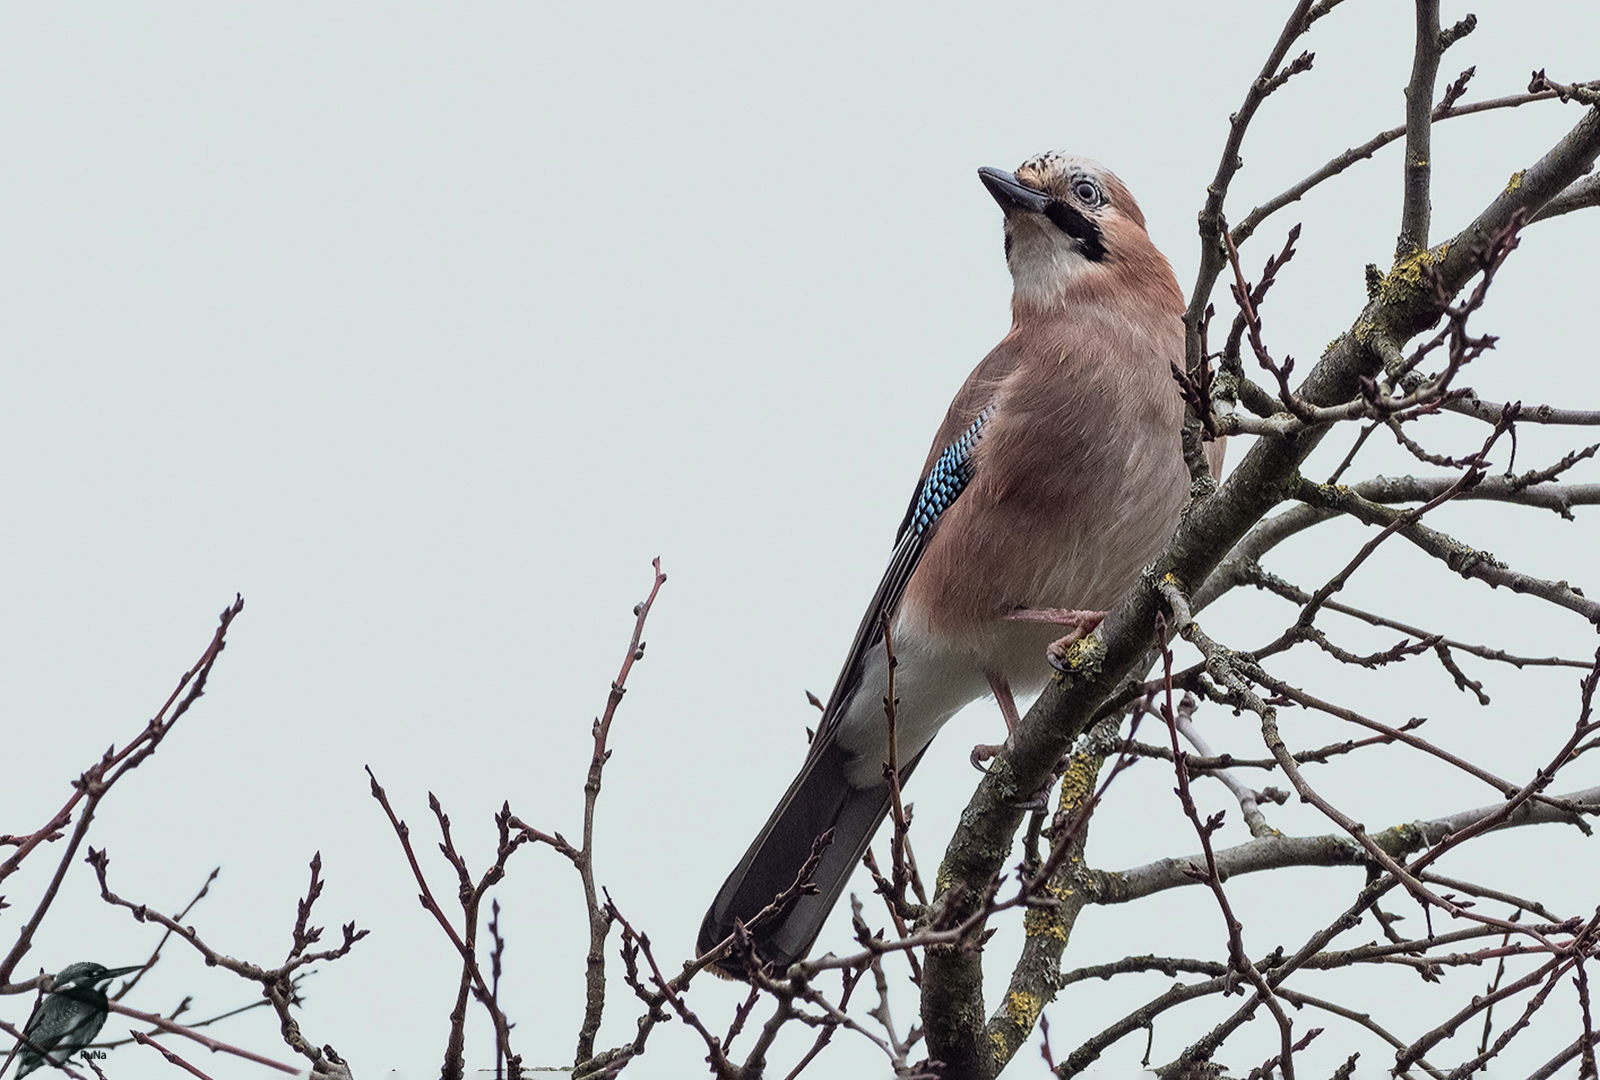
(1086,192)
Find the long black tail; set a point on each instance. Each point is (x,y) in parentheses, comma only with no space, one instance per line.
(821,798)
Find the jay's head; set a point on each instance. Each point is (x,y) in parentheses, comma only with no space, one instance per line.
(1071,226)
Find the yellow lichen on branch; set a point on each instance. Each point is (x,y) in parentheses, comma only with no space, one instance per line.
(1047,921)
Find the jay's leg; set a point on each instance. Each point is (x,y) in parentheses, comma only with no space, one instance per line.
(1003,698)
(1080,624)
(1008,709)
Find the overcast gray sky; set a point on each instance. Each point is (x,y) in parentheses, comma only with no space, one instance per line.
(426,327)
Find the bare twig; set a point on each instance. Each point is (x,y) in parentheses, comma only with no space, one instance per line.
(1417,208)
(99,778)
(599,919)
(277,984)
(1238,960)
(214,1045)
(172,1058)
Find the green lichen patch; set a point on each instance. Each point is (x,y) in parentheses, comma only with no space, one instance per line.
(1081,661)
(1077,783)
(1040,922)
(1405,281)
(1023,1008)
(1046,922)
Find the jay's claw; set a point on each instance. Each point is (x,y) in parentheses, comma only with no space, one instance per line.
(1080,625)
(985,752)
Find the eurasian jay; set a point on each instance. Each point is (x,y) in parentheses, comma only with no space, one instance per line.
(1056,476)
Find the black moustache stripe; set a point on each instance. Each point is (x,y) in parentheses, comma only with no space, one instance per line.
(1085,232)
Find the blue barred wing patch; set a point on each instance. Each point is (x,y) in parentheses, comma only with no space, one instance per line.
(951,473)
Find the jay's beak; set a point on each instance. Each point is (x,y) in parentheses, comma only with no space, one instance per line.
(1011,193)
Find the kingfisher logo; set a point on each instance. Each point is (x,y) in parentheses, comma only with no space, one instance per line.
(69,1015)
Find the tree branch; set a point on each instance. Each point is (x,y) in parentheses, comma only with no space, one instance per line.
(1417,207)
(1330,849)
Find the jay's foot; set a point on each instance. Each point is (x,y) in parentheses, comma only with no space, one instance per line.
(1008,709)
(985,752)
(1080,625)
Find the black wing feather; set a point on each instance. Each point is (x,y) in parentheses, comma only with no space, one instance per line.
(936,493)
(821,798)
